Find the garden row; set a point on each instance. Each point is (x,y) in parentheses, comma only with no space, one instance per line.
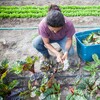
(41,11)
(46,86)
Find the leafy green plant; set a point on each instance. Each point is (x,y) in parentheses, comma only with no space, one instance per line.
(90,86)
(76,95)
(41,11)
(92,67)
(93,38)
(49,89)
(5,87)
(27,65)
(4,66)
(85,89)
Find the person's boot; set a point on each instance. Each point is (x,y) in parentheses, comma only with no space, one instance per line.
(43,59)
(44,63)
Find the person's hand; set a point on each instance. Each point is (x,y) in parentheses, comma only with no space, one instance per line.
(59,57)
(65,61)
(65,56)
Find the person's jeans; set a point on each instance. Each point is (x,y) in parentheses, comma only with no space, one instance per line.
(39,45)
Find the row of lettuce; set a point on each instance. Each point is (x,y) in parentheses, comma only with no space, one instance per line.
(41,11)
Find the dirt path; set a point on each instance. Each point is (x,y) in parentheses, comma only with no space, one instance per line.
(18,43)
(48,2)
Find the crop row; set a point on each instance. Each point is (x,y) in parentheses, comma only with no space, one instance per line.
(41,11)
(32,15)
(45,7)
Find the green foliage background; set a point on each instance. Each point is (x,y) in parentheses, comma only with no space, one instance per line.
(41,11)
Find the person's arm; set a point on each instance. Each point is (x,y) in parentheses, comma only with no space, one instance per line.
(68,45)
(52,49)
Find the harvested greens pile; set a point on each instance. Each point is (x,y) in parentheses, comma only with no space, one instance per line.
(93,38)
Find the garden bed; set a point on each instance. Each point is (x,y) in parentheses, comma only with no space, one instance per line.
(17,44)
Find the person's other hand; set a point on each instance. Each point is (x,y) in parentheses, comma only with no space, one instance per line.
(59,57)
(65,56)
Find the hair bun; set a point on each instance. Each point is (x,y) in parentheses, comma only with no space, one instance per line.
(54,7)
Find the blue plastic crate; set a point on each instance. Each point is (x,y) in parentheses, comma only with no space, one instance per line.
(86,52)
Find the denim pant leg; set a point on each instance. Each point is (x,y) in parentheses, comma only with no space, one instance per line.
(39,46)
(62,44)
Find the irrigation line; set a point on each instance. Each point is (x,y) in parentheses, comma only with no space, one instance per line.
(70,76)
(34,28)
(22,77)
(30,28)
(87,26)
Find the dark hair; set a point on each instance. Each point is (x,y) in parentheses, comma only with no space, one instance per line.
(55,18)
(54,7)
